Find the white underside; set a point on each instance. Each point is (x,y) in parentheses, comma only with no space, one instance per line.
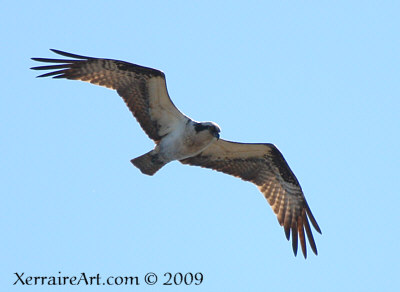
(183,142)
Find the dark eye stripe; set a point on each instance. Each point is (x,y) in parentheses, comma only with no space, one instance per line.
(200,127)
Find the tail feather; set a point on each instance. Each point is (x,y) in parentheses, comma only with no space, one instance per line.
(148,163)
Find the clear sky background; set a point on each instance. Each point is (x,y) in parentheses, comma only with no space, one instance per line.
(319,79)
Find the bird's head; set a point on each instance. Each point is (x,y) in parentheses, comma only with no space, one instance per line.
(212,127)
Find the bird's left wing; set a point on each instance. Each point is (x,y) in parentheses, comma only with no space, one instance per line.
(264,165)
(143,89)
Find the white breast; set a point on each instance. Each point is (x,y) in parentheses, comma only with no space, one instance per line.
(183,142)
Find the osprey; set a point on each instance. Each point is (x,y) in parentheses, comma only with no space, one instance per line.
(178,137)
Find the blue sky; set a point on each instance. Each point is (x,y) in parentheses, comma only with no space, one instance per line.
(319,80)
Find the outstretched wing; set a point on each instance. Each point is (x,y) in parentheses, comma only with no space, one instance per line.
(143,89)
(264,165)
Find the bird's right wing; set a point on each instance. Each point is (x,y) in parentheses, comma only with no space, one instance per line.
(143,89)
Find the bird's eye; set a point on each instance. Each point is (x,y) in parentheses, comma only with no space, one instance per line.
(215,129)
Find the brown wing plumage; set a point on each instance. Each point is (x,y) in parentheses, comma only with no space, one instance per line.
(143,89)
(264,165)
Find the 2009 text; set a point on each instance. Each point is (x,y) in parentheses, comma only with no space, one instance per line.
(85,279)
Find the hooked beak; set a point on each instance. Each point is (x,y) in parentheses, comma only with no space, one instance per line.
(216,135)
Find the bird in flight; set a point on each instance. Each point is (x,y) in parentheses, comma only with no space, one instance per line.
(178,137)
